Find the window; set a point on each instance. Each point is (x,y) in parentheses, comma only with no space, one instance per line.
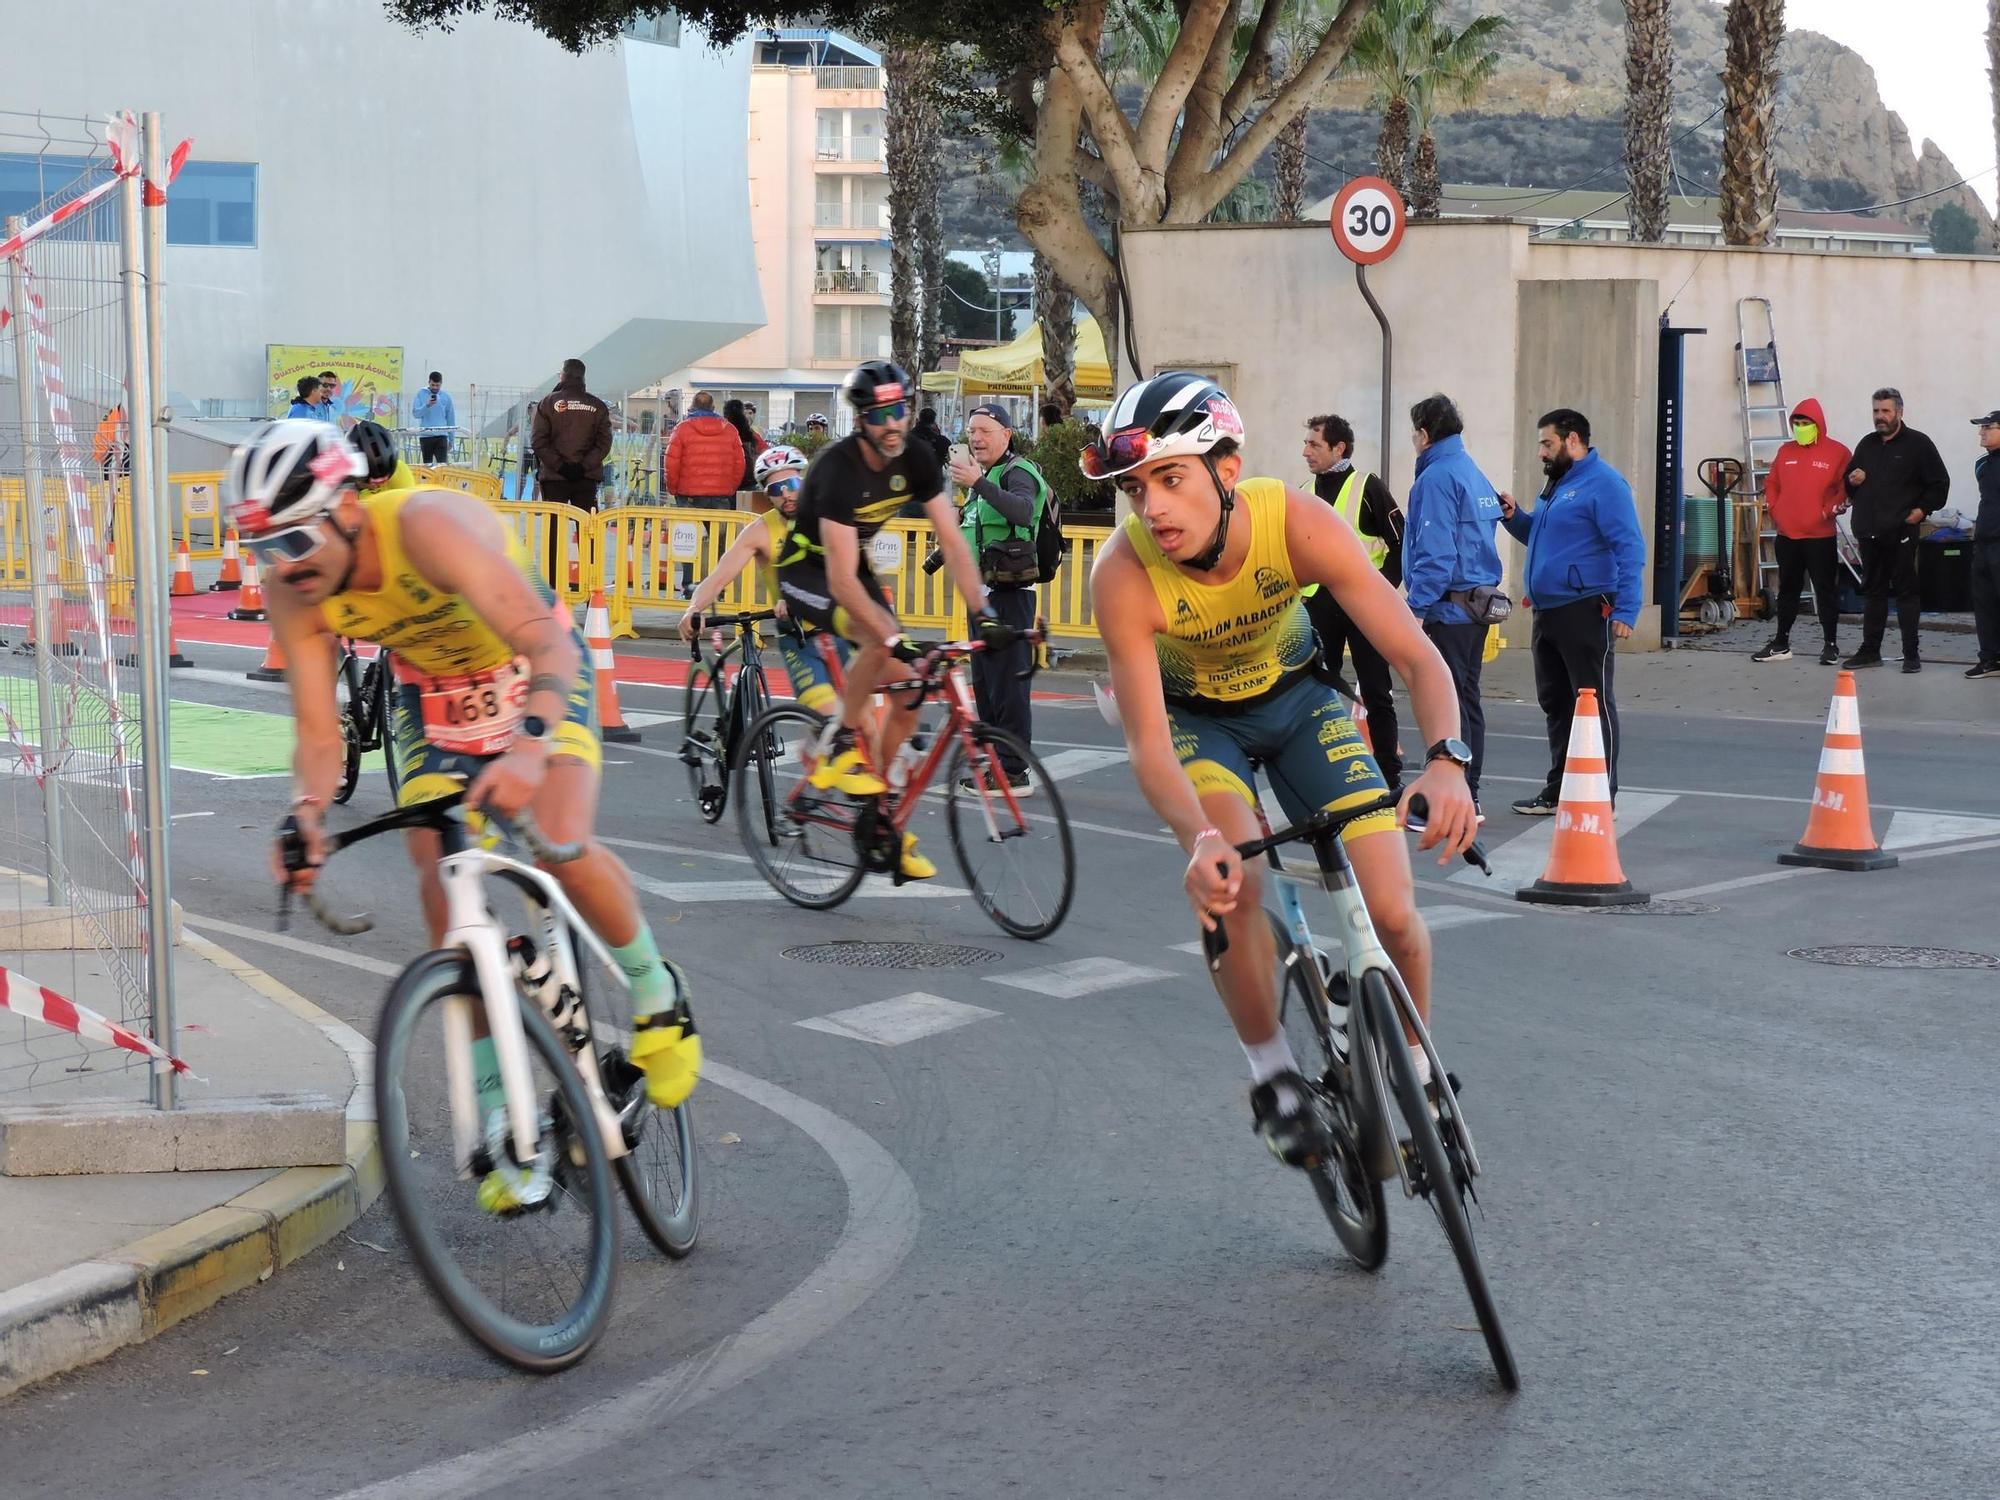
(829,340)
(662,26)
(210,203)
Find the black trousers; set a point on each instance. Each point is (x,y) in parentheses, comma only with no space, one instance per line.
(1463,647)
(1986,598)
(435,450)
(1817,558)
(1889,566)
(1573,650)
(1372,676)
(581,493)
(998,686)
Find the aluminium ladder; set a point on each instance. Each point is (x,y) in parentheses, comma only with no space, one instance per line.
(1760,388)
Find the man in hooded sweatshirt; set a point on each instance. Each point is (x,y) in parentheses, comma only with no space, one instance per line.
(1806,486)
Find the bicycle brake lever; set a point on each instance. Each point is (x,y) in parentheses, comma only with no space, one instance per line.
(1476,857)
(1214,943)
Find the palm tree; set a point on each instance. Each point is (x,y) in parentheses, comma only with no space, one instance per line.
(1749,86)
(1649,99)
(1993,75)
(910,152)
(1456,67)
(1388,51)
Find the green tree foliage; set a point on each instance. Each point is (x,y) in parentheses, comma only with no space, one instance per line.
(1954,231)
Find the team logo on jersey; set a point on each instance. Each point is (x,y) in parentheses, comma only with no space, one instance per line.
(1269,584)
(1331,730)
(1182,611)
(1359,770)
(898,483)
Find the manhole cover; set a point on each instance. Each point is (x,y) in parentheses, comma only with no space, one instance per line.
(1660,909)
(1881,956)
(860,954)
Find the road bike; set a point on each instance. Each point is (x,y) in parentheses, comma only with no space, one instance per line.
(816,846)
(1349,1029)
(366,692)
(715,712)
(533,1285)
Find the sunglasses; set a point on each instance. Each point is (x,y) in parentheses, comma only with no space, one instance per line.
(879,416)
(290,545)
(781,487)
(1117,454)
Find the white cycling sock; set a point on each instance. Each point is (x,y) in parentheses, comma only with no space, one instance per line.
(1269,1059)
(1423,1061)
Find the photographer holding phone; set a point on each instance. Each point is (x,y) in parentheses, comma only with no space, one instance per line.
(1004,501)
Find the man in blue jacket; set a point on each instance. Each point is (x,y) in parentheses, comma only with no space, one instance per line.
(1448,551)
(1585,580)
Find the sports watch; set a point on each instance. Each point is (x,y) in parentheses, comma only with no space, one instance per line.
(1455,751)
(534,727)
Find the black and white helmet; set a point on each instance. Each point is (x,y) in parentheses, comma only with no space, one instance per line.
(292,470)
(1175,413)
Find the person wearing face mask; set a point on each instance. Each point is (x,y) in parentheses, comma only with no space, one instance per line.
(1807,485)
(1585,578)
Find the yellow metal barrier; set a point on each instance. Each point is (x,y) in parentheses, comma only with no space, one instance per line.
(560,539)
(455,477)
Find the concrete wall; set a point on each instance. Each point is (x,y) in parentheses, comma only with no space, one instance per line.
(483,199)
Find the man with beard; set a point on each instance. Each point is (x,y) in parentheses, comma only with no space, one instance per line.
(1897,479)
(1585,579)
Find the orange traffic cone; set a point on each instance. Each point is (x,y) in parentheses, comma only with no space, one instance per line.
(174,657)
(272,667)
(1583,867)
(612,728)
(250,603)
(183,574)
(232,565)
(1840,835)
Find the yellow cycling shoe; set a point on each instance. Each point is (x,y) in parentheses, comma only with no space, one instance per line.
(668,1049)
(843,772)
(914,865)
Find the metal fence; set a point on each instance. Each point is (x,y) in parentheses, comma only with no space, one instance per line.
(85,896)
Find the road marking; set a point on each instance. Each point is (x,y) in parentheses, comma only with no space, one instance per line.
(701,892)
(1908,830)
(1522,859)
(1792,873)
(1077,762)
(1194,947)
(890,1023)
(1444,918)
(1084,976)
(881,1227)
(683,850)
(293,945)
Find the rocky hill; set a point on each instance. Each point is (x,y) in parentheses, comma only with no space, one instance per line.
(1553,117)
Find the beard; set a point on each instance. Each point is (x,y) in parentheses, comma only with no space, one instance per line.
(1558,466)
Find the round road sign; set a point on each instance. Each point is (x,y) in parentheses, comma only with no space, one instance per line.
(1367,220)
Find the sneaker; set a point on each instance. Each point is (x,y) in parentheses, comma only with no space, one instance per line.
(1776,651)
(1912,664)
(667,1048)
(1023,785)
(913,865)
(510,1188)
(1288,1119)
(1541,805)
(843,771)
(1985,669)
(1829,656)
(1862,659)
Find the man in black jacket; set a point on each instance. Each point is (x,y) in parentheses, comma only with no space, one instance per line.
(1986,548)
(1364,502)
(571,436)
(1896,479)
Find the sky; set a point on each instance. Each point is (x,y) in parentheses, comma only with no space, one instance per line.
(1931,72)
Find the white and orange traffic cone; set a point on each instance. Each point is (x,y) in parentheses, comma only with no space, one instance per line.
(183,574)
(612,728)
(232,565)
(1583,868)
(250,603)
(272,667)
(174,657)
(1840,834)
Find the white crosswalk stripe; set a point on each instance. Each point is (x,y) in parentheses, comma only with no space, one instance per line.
(1084,976)
(1908,830)
(890,1023)
(1067,763)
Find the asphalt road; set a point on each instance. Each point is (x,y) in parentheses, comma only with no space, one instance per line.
(1738,1213)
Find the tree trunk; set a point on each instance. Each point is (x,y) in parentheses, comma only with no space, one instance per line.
(906,86)
(1993,77)
(930,254)
(1649,85)
(1058,320)
(1426,187)
(1749,87)
(1392,146)
(1288,164)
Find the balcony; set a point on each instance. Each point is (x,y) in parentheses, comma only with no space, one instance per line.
(843,356)
(866,223)
(856,154)
(858,287)
(848,77)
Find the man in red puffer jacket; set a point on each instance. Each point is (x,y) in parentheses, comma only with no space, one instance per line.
(704,466)
(1806,486)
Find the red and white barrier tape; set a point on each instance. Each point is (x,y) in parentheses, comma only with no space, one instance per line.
(38,1002)
(122,136)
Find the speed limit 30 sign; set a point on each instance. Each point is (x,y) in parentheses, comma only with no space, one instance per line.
(1367,220)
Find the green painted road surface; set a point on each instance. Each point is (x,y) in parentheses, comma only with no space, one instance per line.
(201,737)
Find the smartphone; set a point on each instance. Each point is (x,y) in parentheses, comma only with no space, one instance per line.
(960,454)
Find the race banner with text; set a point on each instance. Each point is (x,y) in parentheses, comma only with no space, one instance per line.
(371,379)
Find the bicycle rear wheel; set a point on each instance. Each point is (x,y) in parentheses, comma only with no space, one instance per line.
(534,1287)
(801,839)
(347,694)
(1348,1192)
(1022,870)
(702,747)
(1439,1182)
(385,722)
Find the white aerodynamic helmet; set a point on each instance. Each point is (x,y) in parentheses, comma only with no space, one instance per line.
(291,471)
(1176,412)
(780,456)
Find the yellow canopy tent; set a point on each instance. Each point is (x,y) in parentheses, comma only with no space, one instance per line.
(1015,368)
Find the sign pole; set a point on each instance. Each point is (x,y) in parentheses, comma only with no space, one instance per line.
(1388,350)
(1367,223)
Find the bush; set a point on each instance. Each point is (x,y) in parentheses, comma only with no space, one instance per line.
(1055,455)
(810,443)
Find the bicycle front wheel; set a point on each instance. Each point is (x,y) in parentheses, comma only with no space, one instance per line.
(702,745)
(533,1286)
(1348,1192)
(1440,1182)
(802,839)
(1022,870)
(385,723)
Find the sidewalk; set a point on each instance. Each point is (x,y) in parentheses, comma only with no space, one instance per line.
(92,1260)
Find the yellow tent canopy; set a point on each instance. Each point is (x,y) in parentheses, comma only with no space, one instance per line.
(1015,368)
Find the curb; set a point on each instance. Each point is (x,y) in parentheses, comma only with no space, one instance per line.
(86,1312)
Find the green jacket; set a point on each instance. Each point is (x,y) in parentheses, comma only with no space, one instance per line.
(1011,483)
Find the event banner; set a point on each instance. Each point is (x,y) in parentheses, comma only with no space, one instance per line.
(371,380)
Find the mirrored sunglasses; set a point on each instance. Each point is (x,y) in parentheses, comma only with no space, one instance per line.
(1116,454)
(292,544)
(894,411)
(780,487)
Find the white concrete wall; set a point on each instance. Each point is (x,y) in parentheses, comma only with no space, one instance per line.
(483,199)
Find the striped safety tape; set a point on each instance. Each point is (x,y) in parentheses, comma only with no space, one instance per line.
(38,1002)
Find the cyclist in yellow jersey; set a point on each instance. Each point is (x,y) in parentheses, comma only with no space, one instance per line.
(492,687)
(1215,666)
(386,469)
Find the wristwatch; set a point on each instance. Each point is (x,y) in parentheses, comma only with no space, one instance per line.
(1455,751)
(534,727)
